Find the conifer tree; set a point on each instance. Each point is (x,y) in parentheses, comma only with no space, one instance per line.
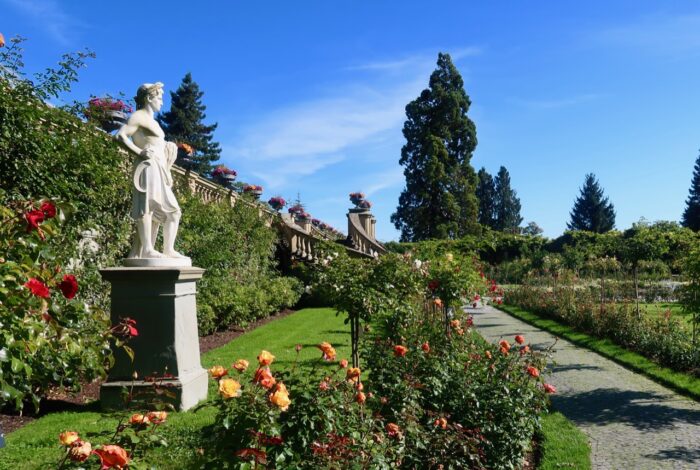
(592,211)
(486,194)
(691,214)
(439,200)
(507,204)
(184,123)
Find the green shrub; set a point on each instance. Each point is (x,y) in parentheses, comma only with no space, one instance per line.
(236,247)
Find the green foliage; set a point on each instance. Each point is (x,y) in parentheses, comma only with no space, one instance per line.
(184,123)
(486,194)
(507,204)
(439,200)
(691,214)
(592,211)
(47,151)
(50,336)
(236,247)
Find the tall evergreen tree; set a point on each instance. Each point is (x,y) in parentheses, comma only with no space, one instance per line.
(592,211)
(691,214)
(507,204)
(439,200)
(184,123)
(486,194)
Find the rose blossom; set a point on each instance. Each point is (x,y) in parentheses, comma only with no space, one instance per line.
(33,219)
(217,372)
(264,377)
(323,386)
(241,365)
(328,351)
(265,358)
(549,388)
(49,209)
(425,347)
(69,286)
(400,351)
(80,451)
(343,363)
(440,423)
(112,457)
(138,419)
(360,398)
(393,430)
(68,437)
(280,397)
(157,417)
(38,288)
(520,339)
(229,388)
(533,371)
(353,374)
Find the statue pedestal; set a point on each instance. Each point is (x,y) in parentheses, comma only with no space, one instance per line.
(162,300)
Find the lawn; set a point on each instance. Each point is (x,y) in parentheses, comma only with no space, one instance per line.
(36,446)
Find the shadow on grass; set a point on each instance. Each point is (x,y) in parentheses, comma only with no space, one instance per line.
(641,410)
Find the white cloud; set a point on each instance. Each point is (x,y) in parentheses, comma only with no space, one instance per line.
(384,180)
(660,34)
(49,15)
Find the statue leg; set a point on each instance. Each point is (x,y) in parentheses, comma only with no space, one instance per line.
(144,230)
(169,233)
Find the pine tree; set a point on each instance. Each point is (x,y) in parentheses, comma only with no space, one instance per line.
(507,204)
(439,200)
(486,194)
(184,123)
(592,211)
(691,214)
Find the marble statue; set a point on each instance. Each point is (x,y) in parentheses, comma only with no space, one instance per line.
(153,200)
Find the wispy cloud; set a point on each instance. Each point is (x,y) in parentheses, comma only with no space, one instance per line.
(304,138)
(50,16)
(556,102)
(385,179)
(416,60)
(660,34)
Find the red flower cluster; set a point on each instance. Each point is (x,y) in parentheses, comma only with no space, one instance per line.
(35,217)
(433,285)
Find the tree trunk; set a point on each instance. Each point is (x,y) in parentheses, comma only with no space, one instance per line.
(636,290)
(355,333)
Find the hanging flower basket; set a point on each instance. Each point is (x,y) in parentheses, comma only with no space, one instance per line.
(296,209)
(109,114)
(364,204)
(277,203)
(185,152)
(254,190)
(357,198)
(224,176)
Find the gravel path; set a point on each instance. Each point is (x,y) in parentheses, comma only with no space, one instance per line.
(631,421)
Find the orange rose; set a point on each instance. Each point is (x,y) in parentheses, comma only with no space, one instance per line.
(328,351)
(69,437)
(264,377)
(438,303)
(353,374)
(138,419)
(440,423)
(360,398)
(265,358)
(425,347)
(393,430)
(400,351)
(488,354)
(504,344)
(112,457)
(229,388)
(80,451)
(520,339)
(459,331)
(157,417)
(343,363)
(217,372)
(533,371)
(241,365)
(455,324)
(280,397)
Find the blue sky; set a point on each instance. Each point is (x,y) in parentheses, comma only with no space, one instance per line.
(310,96)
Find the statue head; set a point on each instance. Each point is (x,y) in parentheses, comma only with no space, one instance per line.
(149,92)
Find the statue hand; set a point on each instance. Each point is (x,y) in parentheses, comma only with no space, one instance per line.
(148,153)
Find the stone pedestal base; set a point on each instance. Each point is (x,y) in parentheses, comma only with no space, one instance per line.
(162,301)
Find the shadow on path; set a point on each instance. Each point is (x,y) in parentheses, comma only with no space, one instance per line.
(573,367)
(677,453)
(641,410)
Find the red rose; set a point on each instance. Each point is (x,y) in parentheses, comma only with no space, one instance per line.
(400,351)
(69,286)
(34,218)
(433,285)
(533,371)
(519,339)
(38,288)
(49,209)
(425,347)
(549,388)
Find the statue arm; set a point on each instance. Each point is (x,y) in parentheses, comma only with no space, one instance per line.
(124,136)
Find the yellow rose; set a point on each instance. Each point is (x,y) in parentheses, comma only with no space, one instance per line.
(137,419)
(67,438)
(241,365)
(265,358)
(353,374)
(157,417)
(229,388)
(280,397)
(217,372)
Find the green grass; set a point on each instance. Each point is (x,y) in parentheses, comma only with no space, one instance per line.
(35,446)
(658,309)
(562,445)
(682,383)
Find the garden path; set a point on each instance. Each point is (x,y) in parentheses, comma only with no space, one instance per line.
(631,421)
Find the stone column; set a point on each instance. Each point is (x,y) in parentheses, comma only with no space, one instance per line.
(162,300)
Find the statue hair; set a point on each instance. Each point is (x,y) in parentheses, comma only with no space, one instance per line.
(145,91)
